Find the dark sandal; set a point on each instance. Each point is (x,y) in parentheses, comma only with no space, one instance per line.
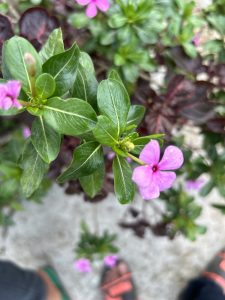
(120,288)
(53,276)
(216,270)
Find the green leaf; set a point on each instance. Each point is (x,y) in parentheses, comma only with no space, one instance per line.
(140,142)
(87,158)
(70,117)
(45,140)
(218,22)
(135,115)
(34,169)
(105,131)
(221,207)
(86,62)
(113,74)
(114,102)
(207,188)
(123,185)
(45,86)
(14,52)
(92,184)
(190,50)
(117,20)
(86,84)
(63,68)
(53,46)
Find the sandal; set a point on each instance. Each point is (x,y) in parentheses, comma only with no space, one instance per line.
(117,283)
(53,276)
(216,270)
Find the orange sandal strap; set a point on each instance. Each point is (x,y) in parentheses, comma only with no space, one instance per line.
(115,281)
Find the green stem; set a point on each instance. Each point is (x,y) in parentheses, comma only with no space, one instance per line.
(137,160)
(27,104)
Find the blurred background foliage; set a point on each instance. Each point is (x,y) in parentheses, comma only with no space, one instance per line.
(171,57)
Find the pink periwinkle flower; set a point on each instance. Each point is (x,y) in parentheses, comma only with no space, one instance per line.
(197,39)
(155,176)
(111,155)
(9,93)
(26,132)
(195,185)
(93,6)
(83,265)
(110,260)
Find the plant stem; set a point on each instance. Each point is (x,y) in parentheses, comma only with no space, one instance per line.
(27,104)
(137,160)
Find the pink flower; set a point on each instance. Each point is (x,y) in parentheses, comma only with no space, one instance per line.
(9,92)
(154,177)
(197,39)
(110,260)
(93,6)
(26,132)
(83,265)
(111,155)
(196,184)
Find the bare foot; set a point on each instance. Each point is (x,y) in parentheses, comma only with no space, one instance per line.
(52,292)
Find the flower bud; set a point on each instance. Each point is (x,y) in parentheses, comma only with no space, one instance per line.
(30,63)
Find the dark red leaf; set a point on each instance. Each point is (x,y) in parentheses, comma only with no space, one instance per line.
(183,61)
(217,125)
(6,31)
(36,25)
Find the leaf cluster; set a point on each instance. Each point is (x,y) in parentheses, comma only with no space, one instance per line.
(94,246)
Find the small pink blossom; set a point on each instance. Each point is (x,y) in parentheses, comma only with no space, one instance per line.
(155,177)
(196,184)
(111,155)
(83,265)
(129,160)
(26,132)
(110,260)
(9,93)
(197,39)
(93,6)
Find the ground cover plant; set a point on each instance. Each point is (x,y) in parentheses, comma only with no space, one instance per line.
(107,113)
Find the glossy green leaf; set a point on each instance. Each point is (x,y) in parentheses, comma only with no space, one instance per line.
(140,142)
(34,169)
(87,158)
(105,131)
(86,62)
(123,184)
(71,116)
(85,86)
(114,102)
(63,68)
(45,86)
(135,115)
(93,183)
(207,188)
(45,140)
(53,46)
(14,52)
(113,74)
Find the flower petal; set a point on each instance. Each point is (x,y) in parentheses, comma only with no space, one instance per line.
(6,103)
(16,104)
(149,192)
(103,5)
(142,176)
(13,88)
(172,159)
(2,91)
(164,180)
(91,10)
(151,153)
(83,2)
